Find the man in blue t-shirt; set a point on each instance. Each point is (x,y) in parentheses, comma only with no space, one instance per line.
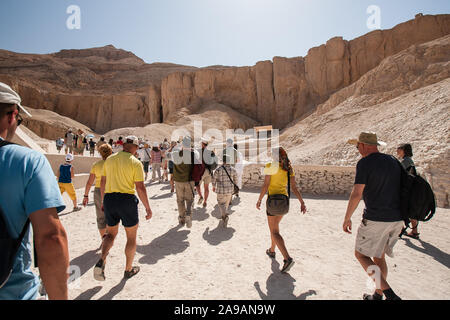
(28,190)
(377,181)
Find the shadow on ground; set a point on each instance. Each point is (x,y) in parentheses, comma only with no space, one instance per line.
(172,242)
(280,286)
(218,235)
(428,249)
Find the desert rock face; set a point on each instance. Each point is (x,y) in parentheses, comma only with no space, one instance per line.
(297,85)
(108,88)
(103,88)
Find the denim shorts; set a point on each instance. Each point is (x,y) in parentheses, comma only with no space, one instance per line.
(121,207)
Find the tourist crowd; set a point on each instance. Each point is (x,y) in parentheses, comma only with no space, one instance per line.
(29,194)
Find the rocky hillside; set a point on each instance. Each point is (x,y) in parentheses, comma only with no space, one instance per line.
(405,100)
(108,88)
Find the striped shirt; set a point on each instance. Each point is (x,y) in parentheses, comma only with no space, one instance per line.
(156,156)
(221,181)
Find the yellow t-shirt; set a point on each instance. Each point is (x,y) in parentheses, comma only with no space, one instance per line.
(97,169)
(278,179)
(122,170)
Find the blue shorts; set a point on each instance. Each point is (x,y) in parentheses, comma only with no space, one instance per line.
(121,206)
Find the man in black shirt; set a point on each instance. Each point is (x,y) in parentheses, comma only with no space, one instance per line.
(377,181)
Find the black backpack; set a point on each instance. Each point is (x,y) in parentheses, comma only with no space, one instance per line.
(417,199)
(8,245)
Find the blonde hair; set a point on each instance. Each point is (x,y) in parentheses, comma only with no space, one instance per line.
(105,151)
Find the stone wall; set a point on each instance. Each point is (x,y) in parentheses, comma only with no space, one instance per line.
(317,180)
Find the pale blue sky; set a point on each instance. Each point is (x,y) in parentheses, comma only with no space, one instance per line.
(198,32)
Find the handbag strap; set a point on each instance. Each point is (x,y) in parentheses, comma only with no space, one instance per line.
(229,177)
(289,184)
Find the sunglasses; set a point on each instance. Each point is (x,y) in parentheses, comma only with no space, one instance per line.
(19,118)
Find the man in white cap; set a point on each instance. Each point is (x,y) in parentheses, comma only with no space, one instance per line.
(29,192)
(123,175)
(378,182)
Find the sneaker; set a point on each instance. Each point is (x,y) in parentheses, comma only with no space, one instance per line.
(225,221)
(271,254)
(200,201)
(188,221)
(76,209)
(374,296)
(287,265)
(129,274)
(99,271)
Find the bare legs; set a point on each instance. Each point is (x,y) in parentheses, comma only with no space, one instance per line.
(366,262)
(130,247)
(277,239)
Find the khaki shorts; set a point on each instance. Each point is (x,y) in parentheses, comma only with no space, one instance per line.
(223,200)
(206,178)
(101,220)
(375,238)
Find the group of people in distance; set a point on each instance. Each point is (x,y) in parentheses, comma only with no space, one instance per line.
(29,192)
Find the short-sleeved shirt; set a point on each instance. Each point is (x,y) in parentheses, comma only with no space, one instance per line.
(122,170)
(407,163)
(156,156)
(27,184)
(69,138)
(97,169)
(380,173)
(278,178)
(224,181)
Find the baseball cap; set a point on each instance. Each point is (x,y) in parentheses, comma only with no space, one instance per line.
(132,140)
(69,157)
(9,96)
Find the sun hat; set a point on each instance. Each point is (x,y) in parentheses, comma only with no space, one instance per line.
(369,138)
(204,140)
(186,142)
(132,140)
(9,96)
(69,157)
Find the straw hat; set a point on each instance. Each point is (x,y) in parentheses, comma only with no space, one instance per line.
(369,138)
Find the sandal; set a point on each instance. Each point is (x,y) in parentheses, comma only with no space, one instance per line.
(134,271)
(270,253)
(413,235)
(99,271)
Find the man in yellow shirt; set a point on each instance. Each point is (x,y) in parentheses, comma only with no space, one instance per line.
(123,174)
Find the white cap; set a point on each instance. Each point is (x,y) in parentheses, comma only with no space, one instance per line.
(155,144)
(9,96)
(69,157)
(132,139)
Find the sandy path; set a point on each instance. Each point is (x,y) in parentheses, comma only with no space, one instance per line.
(210,262)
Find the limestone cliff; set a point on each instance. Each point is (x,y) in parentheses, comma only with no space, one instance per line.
(286,89)
(108,88)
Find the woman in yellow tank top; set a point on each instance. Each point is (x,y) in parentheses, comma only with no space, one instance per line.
(275,182)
